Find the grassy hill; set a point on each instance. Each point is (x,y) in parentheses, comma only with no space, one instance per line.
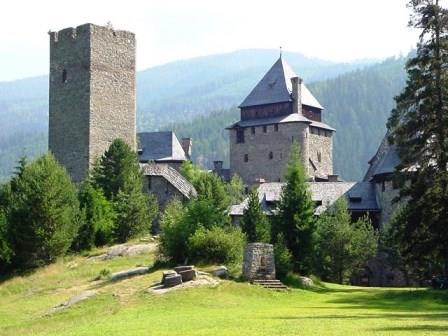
(230,308)
(357,96)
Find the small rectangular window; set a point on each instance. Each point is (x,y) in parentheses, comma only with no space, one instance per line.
(246,157)
(276,127)
(265,129)
(253,130)
(240,135)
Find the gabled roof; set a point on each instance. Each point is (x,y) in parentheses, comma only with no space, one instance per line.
(171,175)
(159,147)
(276,87)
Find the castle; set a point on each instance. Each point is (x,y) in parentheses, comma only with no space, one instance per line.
(93,102)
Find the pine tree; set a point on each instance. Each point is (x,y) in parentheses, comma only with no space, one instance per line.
(118,174)
(43,212)
(254,223)
(116,168)
(419,128)
(342,247)
(295,218)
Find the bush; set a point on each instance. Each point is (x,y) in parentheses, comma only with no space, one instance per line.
(283,257)
(174,232)
(217,245)
(97,218)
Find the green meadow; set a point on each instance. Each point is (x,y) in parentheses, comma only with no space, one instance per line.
(230,308)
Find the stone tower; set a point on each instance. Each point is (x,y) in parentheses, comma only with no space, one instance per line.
(278,112)
(92,94)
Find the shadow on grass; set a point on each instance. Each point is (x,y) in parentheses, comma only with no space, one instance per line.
(395,299)
(403,316)
(415,328)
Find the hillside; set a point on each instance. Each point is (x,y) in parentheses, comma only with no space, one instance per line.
(230,308)
(200,89)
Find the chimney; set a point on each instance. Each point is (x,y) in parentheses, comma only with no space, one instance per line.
(296,95)
(186,146)
(217,166)
(333,178)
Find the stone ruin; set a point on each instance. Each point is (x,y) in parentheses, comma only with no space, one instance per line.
(258,262)
(180,275)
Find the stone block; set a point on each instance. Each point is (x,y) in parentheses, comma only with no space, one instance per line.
(179,269)
(258,261)
(172,280)
(188,275)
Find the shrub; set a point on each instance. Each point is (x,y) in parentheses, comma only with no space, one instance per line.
(97,218)
(283,257)
(217,245)
(174,232)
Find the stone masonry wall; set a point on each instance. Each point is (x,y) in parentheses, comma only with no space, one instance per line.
(162,189)
(69,100)
(320,146)
(92,94)
(385,200)
(258,147)
(112,86)
(258,261)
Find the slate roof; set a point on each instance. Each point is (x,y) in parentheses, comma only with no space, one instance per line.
(384,162)
(160,147)
(360,196)
(171,175)
(276,87)
(290,118)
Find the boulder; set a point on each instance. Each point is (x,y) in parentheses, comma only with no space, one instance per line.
(179,269)
(172,280)
(221,272)
(128,273)
(306,282)
(188,275)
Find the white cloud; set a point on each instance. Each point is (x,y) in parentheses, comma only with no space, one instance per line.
(169,30)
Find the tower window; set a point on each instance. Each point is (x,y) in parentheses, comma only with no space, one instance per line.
(253,130)
(265,129)
(64,76)
(240,135)
(246,157)
(271,155)
(276,127)
(319,156)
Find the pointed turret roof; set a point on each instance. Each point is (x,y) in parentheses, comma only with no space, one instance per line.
(276,87)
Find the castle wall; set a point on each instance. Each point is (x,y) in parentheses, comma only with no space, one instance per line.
(92,94)
(320,150)
(258,147)
(385,196)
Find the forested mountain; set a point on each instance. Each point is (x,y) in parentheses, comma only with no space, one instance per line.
(198,98)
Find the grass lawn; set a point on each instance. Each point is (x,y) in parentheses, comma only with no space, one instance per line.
(231,308)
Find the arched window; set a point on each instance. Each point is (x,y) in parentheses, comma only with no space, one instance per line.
(64,76)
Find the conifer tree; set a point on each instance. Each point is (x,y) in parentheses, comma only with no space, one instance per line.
(254,223)
(118,174)
(295,218)
(43,214)
(419,128)
(342,246)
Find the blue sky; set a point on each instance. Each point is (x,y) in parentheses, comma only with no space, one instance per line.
(169,30)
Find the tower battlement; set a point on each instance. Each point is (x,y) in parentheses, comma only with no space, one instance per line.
(84,31)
